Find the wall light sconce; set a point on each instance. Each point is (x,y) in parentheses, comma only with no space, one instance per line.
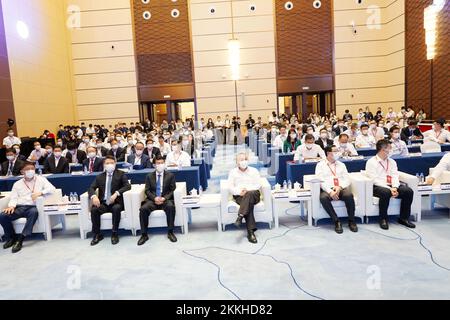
(430,24)
(22,29)
(234,58)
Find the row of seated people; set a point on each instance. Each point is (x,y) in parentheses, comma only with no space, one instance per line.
(244,185)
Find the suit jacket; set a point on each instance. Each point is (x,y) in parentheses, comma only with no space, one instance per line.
(104,151)
(320,143)
(21,157)
(405,134)
(120,154)
(98,164)
(16,168)
(155,152)
(81,156)
(169,186)
(49,165)
(119,183)
(337,130)
(145,160)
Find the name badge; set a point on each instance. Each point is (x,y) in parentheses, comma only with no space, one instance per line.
(336,182)
(389,179)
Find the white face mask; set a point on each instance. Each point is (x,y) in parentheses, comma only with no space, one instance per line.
(114,147)
(59,143)
(150,146)
(130,142)
(49,152)
(364,132)
(119,138)
(175,148)
(99,145)
(160,167)
(17,151)
(343,145)
(309,145)
(373,126)
(10,158)
(293,136)
(185,142)
(86,141)
(91,155)
(110,168)
(396,135)
(139,152)
(243,164)
(37,148)
(336,156)
(310,132)
(324,135)
(11,134)
(57,154)
(29,174)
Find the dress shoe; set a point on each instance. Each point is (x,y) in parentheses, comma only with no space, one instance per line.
(143,239)
(97,239)
(251,237)
(114,238)
(406,223)
(17,246)
(9,243)
(238,222)
(384,224)
(338,227)
(172,237)
(352,226)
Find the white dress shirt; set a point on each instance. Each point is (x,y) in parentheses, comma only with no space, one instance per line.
(439,137)
(306,152)
(279,140)
(21,191)
(378,170)
(347,149)
(377,133)
(391,115)
(239,180)
(164,148)
(327,172)
(363,141)
(37,154)
(8,142)
(179,159)
(352,134)
(399,147)
(444,165)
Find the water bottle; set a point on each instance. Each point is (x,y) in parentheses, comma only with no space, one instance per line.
(289,185)
(422,178)
(75,197)
(284,185)
(40,171)
(71,197)
(418,177)
(409,142)
(86,171)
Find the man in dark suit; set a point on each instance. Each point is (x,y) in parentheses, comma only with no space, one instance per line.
(56,163)
(159,188)
(117,152)
(101,150)
(151,151)
(74,155)
(139,158)
(411,132)
(19,156)
(93,163)
(324,140)
(111,185)
(340,128)
(12,166)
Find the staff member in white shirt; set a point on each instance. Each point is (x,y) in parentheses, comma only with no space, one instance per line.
(163,147)
(438,133)
(244,185)
(398,145)
(344,147)
(279,140)
(376,131)
(384,173)
(444,165)
(177,157)
(391,115)
(22,204)
(364,140)
(10,139)
(309,150)
(335,182)
(38,154)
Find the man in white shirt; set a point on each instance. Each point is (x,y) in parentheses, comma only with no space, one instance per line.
(244,183)
(444,165)
(279,140)
(398,145)
(364,140)
(375,131)
(391,115)
(386,185)
(335,186)
(177,157)
(163,147)
(10,139)
(344,147)
(309,150)
(22,204)
(438,133)
(38,154)
(352,132)
(85,143)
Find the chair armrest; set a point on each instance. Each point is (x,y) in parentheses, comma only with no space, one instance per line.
(4,202)
(40,204)
(266,191)
(368,190)
(409,179)
(224,195)
(178,194)
(358,187)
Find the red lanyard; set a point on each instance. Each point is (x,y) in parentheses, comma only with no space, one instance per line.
(334,173)
(26,185)
(437,137)
(387,166)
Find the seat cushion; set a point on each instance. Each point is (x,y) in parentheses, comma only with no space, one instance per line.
(394,202)
(20,221)
(158,214)
(108,216)
(233,207)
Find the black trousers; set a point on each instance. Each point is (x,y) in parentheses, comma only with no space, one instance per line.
(404,193)
(247,204)
(344,195)
(149,206)
(96,213)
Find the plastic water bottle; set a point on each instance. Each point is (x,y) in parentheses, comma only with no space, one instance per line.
(71,197)
(422,178)
(75,197)
(284,185)
(289,185)
(40,171)
(418,177)
(86,171)
(409,142)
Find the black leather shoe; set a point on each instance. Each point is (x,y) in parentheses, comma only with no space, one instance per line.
(9,243)
(338,227)
(384,224)
(172,237)
(406,223)
(251,237)
(114,238)
(238,222)
(97,239)
(143,239)
(352,226)
(17,246)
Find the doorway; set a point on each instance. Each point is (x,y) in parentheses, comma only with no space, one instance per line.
(167,110)
(304,103)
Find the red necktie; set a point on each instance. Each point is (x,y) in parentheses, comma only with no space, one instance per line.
(91,166)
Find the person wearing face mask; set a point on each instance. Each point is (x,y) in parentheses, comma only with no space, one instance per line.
(375,131)
(352,132)
(12,165)
(309,150)
(398,146)
(177,157)
(19,156)
(438,133)
(116,151)
(187,146)
(272,134)
(139,160)
(56,163)
(279,140)
(85,142)
(10,139)
(244,184)
(151,151)
(121,141)
(324,139)
(159,188)
(383,127)
(386,185)
(74,155)
(111,186)
(391,115)
(335,187)
(340,128)
(100,149)
(412,132)
(38,154)
(93,163)
(292,142)
(345,148)
(22,204)
(164,147)
(365,140)
(48,151)
(310,130)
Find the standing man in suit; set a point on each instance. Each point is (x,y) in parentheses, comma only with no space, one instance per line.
(117,152)
(324,139)
(411,132)
(139,158)
(74,155)
(56,163)
(111,185)
(12,166)
(159,188)
(93,163)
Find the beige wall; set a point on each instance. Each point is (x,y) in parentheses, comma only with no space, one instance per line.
(215,89)
(40,65)
(370,66)
(105,78)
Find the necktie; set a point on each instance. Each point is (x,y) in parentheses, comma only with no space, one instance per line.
(158,186)
(91,166)
(108,188)
(10,168)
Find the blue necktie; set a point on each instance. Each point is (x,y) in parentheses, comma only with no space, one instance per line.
(158,186)
(108,188)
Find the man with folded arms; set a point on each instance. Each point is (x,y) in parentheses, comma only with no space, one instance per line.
(386,185)
(334,187)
